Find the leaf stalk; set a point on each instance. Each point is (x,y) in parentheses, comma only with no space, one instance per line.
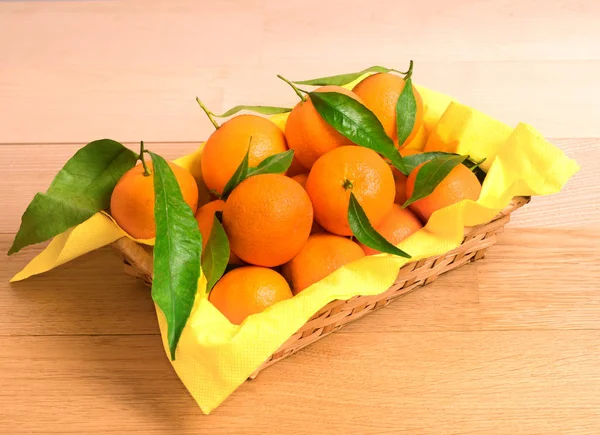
(208,113)
(302,97)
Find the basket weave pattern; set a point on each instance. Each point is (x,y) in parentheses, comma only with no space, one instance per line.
(138,262)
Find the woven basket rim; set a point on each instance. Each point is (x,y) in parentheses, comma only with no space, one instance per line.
(140,260)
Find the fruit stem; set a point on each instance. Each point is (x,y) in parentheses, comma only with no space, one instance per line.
(477,164)
(408,74)
(141,158)
(347,184)
(208,113)
(302,97)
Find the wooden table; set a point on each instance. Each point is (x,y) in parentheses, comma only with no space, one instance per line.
(508,345)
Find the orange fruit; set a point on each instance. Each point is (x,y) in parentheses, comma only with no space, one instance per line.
(226,147)
(132,200)
(205,218)
(301,179)
(321,255)
(395,227)
(400,179)
(308,134)
(460,184)
(295,168)
(344,170)
(380,92)
(268,218)
(248,290)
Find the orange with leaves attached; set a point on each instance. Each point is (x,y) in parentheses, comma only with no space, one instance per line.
(132,200)
(226,147)
(268,219)
(459,184)
(380,92)
(350,169)
(248,290)
(322,255)
(395,227)
(309,135)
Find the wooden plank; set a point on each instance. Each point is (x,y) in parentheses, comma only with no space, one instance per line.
(30,169)
(54,87)
(531,280)
(90,295)
(500,382)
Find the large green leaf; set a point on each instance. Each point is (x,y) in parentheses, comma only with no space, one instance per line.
(275,164)
(354,121)
(216,255)
(177,252)
(264,110)
(365,233)
(79,190)
(406,112)
(431,174)
(342,79)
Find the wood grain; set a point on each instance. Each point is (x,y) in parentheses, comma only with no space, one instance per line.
(533,61)
(498,346)
(508,345)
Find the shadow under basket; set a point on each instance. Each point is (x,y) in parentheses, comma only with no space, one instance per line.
(330,318)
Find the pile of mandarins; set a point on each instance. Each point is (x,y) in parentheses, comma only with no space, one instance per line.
(288,231)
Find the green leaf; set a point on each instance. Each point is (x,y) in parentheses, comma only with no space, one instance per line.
(406,112)
(275,164)
(342,79)
(265,110)
(238,176)
(216,255)
(431,174)
(414,160)
(365,233)
(354,121)
(79,190)
(177,252)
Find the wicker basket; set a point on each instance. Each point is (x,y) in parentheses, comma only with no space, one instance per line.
(138,262)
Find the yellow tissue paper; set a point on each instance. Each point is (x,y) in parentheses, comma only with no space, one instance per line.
(215,357)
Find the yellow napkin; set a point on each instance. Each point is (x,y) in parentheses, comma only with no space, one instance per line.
(215,357)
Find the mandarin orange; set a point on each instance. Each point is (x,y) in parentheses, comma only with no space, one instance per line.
(268,219)
(248,290)
(309,135)
(459,184)
(380,92)
(350,169)
(132,200)
(205,218)
(226,147)
(395,227)
(322,255)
